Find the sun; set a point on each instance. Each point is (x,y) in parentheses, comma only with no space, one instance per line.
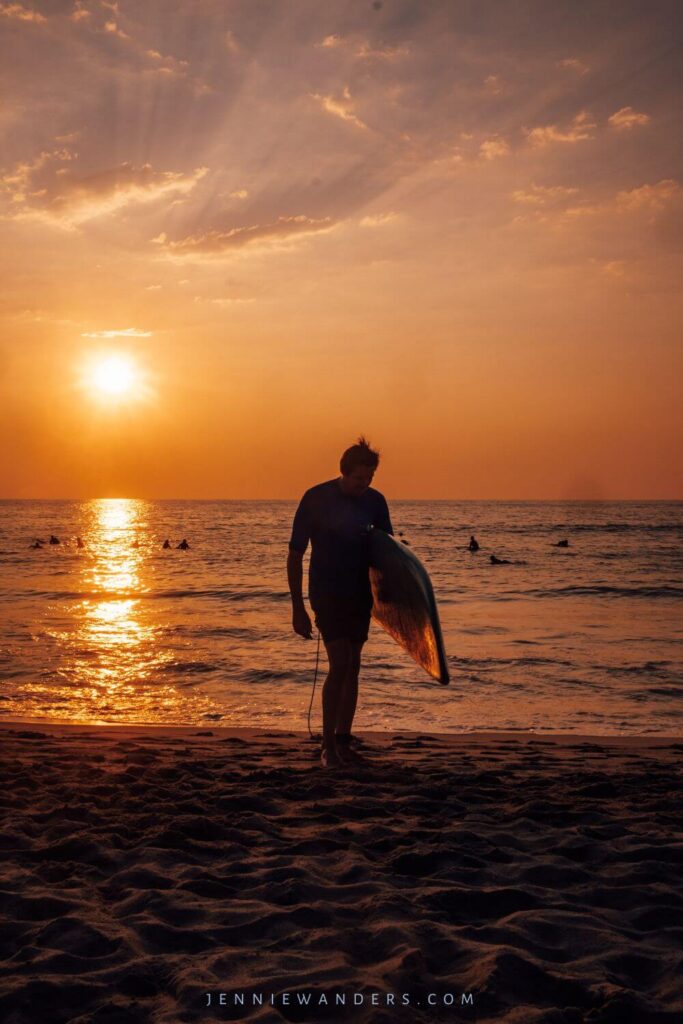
(114,376)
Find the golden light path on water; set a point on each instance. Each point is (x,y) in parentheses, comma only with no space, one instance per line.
(122,629)
(112,648)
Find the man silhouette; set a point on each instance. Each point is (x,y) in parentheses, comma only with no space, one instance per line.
(336,518)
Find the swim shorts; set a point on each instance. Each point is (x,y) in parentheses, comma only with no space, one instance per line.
(342,620)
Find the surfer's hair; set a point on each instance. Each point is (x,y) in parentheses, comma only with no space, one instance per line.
(359,454)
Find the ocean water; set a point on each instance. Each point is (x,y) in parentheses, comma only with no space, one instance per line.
(579,639)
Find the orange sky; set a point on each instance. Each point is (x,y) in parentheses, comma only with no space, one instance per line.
(454,227)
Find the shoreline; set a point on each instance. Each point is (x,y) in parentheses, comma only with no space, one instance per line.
(381,737)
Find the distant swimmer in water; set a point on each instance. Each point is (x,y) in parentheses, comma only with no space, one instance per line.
(53,539)
(136,543)
(36,544)
(562,544)
(79,543)
(473,544)
(183,546)
(499,561)
(166,544)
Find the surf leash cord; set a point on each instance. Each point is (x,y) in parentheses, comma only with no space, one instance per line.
(315,679)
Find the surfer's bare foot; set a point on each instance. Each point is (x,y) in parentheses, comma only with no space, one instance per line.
(330,759)
(349,755)
(348,747)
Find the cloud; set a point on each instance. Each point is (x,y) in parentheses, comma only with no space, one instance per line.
(80,12)
(364,50)
(581,128)
(649,197)
(541,195)
(113,28)
(490,149)
(42,316)
(614,268)
(129,52)
(377,220)
(240,193)
(215,242)
(629,203)
(126,332)
(573,64)
(493,85)
(627,118)
(342,107)
(20,13)
(21,183)
(367,52)
(48,189)
(164,64)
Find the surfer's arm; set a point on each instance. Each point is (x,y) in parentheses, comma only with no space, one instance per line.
(301,534)
(295,576)
(300,618)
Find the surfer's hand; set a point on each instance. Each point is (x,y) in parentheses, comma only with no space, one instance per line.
(301,621)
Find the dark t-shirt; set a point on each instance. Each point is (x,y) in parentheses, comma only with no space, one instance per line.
(337,526)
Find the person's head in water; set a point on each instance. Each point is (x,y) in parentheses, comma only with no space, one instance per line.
(358,465)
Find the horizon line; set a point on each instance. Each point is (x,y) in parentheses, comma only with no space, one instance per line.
(596,501)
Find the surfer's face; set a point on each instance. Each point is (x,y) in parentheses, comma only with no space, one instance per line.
(358,480)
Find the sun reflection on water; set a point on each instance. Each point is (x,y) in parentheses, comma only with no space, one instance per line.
(112,649)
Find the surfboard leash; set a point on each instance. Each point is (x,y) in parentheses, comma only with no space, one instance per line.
(315,679)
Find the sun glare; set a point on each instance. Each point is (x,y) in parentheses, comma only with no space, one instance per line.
(114,377)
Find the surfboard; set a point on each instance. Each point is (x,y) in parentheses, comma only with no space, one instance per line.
(403,603)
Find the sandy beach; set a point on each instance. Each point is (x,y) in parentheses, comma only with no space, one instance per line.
(174,875)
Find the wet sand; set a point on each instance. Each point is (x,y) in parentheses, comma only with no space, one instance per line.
(143,868)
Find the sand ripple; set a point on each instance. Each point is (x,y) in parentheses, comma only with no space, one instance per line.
(141,869)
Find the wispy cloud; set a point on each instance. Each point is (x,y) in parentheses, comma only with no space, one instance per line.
(49,189)
(126,332)
(573,64)
(225,303)
(649,197)
(21,182)
(20,13)
(541,195)
(362,49)
(167,64)
(80,12)
(341,106)
(378,220)
(214,242)
(43,316)
(367,52)
(129,50)
(493,85)
(491,149)
(614,268)
(113,29)
(627,118)
(582,127)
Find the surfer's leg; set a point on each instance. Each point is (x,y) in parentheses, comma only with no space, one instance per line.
(340,654)
(349,695)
